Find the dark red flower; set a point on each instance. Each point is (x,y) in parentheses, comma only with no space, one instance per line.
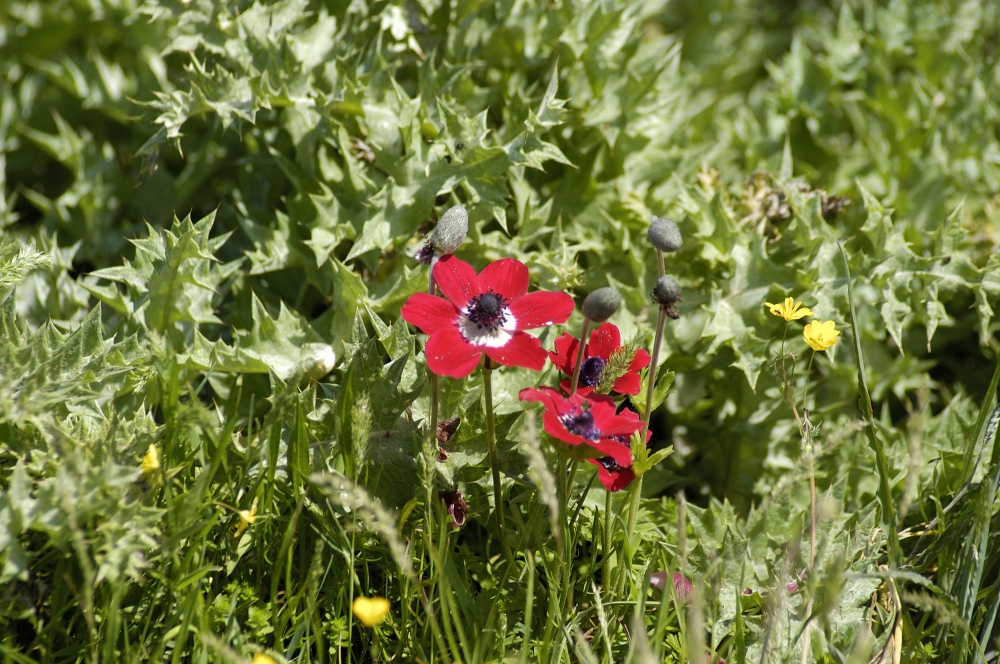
(590,420)
(614,476)
(484,313)
(604,341)
(457,508)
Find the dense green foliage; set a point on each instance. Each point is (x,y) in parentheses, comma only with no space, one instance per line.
(199,196)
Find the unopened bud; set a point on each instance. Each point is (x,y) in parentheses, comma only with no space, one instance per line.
(602,304)
(664,234)
(450,231)
(667,292)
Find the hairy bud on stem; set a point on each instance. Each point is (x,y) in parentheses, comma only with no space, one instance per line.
(447,235)
(602,304)
(664,234)
(667,292)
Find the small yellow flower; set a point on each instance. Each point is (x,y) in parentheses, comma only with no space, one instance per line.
(821,336)
(789,309)
(261,658)
(247,518)
(151,462)
(371,610)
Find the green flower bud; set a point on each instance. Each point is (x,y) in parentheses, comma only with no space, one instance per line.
(602,304)
(664,234)
(450,231)
(667,292)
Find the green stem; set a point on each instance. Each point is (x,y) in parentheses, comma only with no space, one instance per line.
(430,452)
(579,356)
(606,563)
(653,360)
(569,539)
(491,439)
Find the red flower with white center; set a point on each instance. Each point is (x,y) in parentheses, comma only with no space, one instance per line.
(604,341)
(614,476)
(579,420)
(483,313)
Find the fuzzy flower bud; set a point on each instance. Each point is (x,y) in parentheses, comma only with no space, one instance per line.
(667,292)
(602,304)
(447,235)
(664,234)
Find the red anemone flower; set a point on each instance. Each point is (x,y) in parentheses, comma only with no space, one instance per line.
(484,313)
(579,420)
(614,476)
(604,341)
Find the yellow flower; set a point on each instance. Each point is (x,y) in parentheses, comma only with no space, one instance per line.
(261,658)
(371,610)
(151,462)
(790,309)
(247,518)
(821,336)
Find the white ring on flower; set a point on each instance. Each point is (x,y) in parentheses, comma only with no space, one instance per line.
(483,336)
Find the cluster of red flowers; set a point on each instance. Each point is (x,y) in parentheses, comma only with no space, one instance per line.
(487,313)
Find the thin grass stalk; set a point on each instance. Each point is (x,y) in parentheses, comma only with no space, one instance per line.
(491,439)
(529,605)
(808,448)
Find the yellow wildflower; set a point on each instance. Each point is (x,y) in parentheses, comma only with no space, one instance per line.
(821,336)
(261,658)
(247,518)
(151,462)
(789,309)
(371,610)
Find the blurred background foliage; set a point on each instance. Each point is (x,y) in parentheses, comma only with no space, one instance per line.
(308,146)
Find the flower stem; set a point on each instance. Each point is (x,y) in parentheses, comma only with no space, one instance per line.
(606,563)
(653,360)
(579,356)
(431,448)
(491,438)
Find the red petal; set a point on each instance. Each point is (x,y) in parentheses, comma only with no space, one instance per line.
(541,309)
(605,340)
(602,407)
(566,349)
(580,389)
(507,276)
(448,354)
(618,426)
(639,361)
(622,454)
(456,279)
(628,384)
(613,480)
(428,312)
(523,350)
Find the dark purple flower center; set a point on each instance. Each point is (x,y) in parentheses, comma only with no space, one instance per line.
(487,311)
(609,464)
(590,371)
(580,422)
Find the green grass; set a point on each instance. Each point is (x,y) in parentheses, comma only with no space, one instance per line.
(202,198)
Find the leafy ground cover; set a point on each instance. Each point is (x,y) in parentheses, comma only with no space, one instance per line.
(216,425)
